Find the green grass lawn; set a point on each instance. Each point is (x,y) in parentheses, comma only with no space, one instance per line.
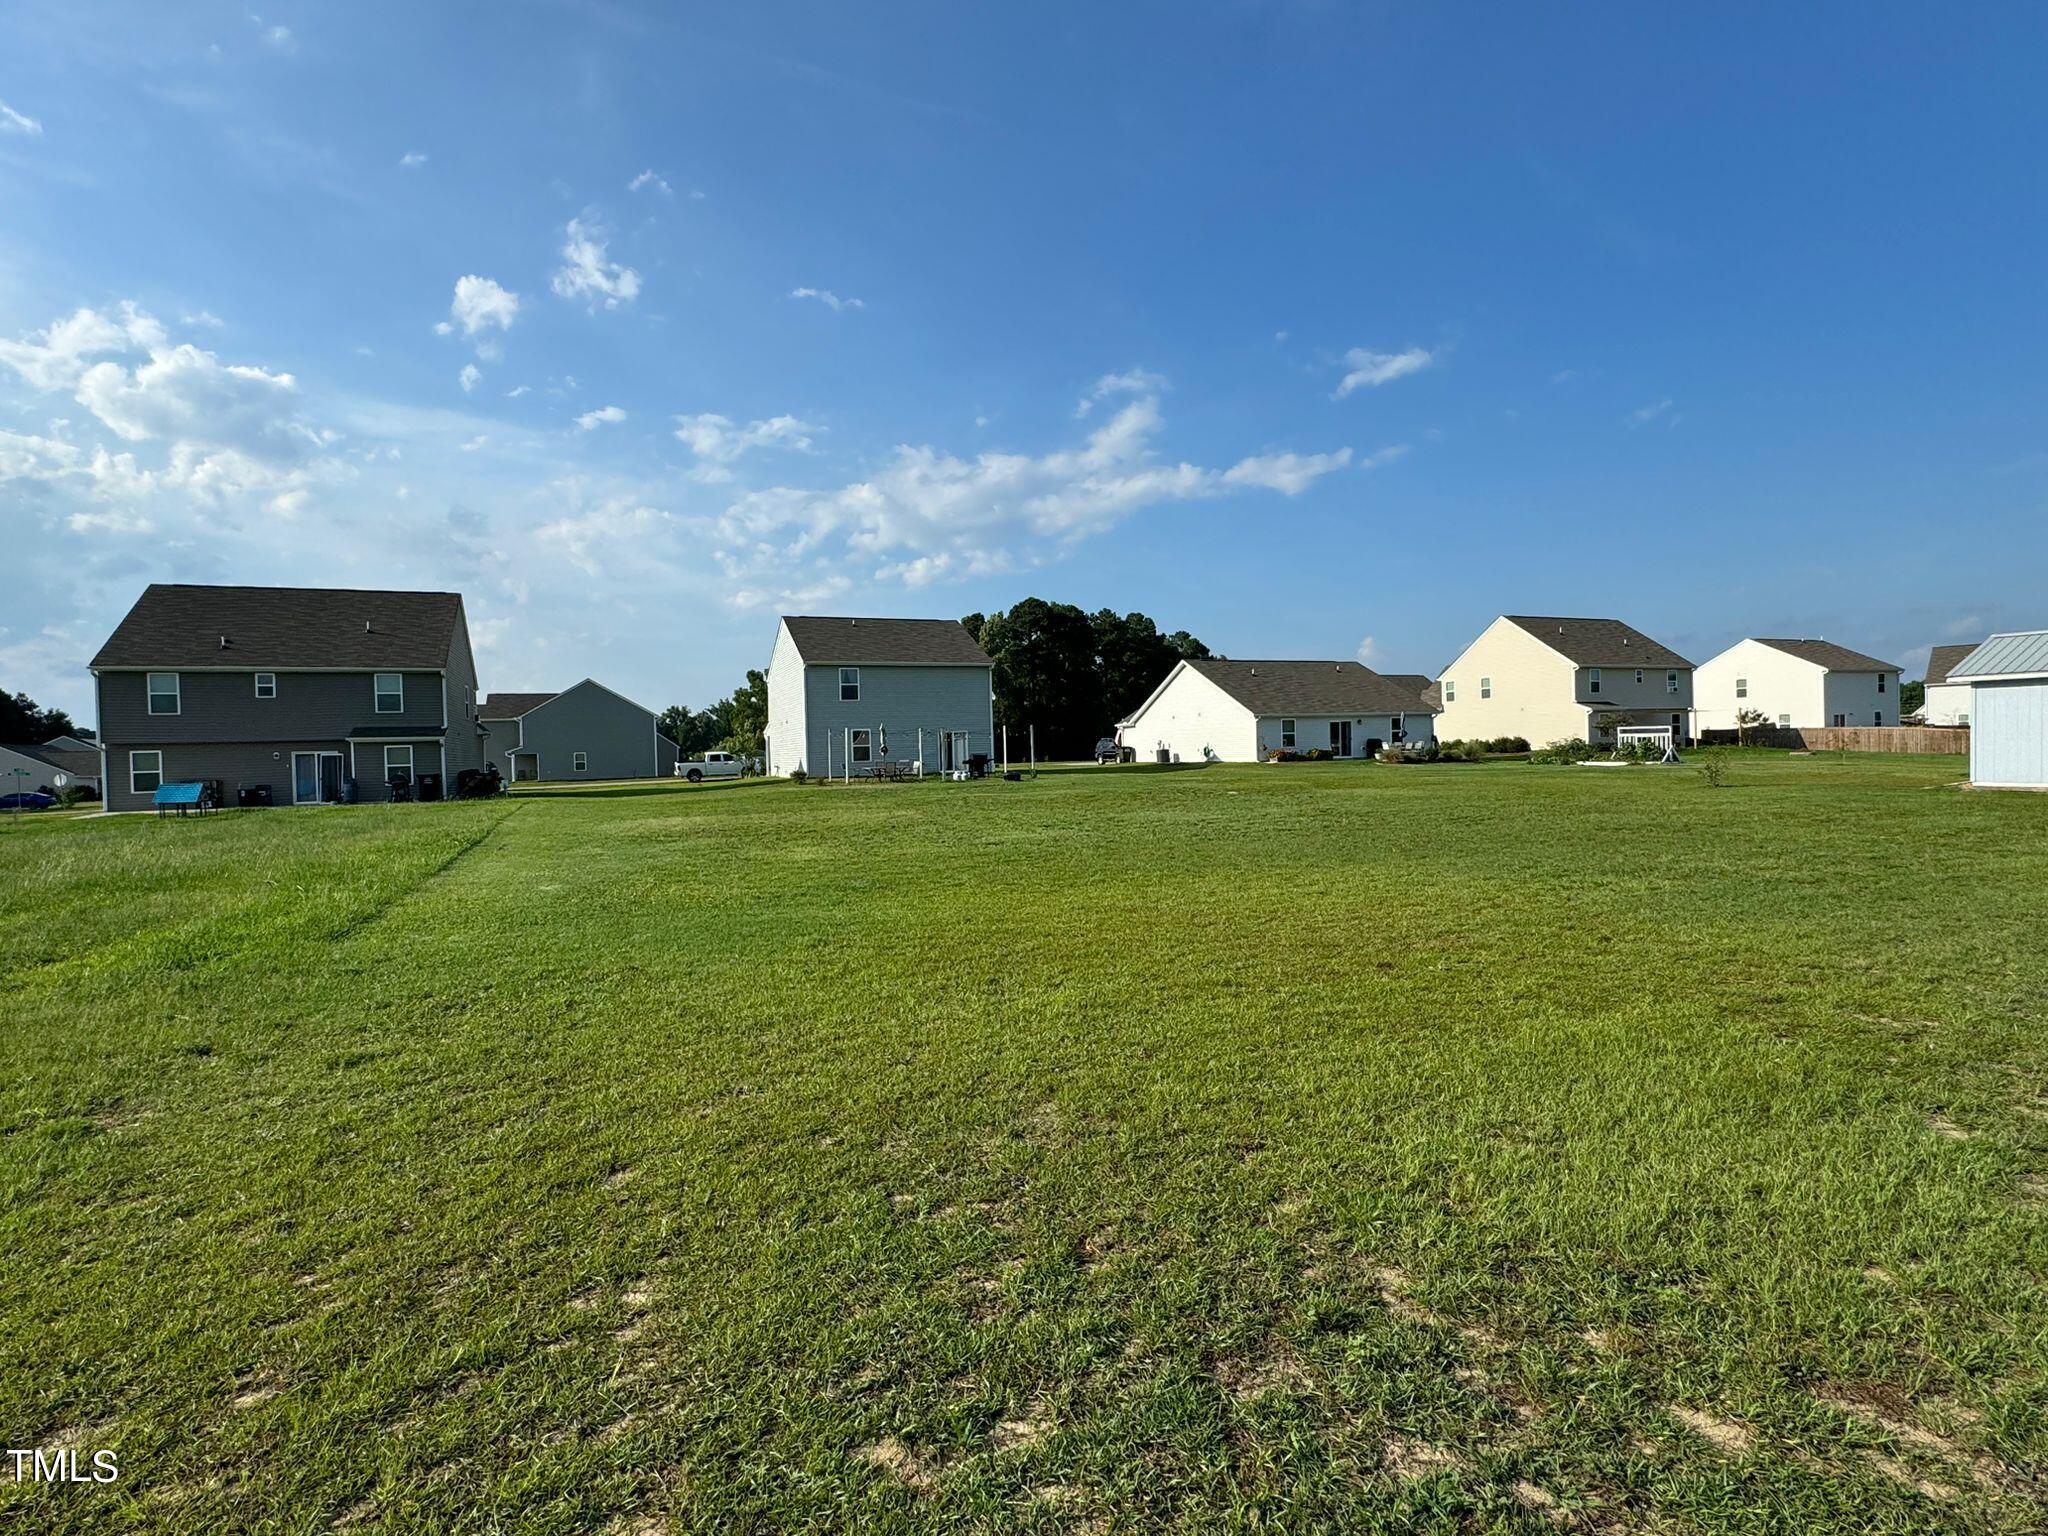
(1321,1148)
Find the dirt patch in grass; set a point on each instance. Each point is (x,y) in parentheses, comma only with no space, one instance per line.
(1275,1371)
(1540,1501)
(1890,1410)
(618,1178)
(1724,1435)
(1408,1458)
(1941,1125)
(256,1390)
(894,1459)
(1028,1428)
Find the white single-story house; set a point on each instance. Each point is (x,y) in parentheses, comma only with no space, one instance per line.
(1946,703)
(1795,685)
(1553,679)
(845,695)
(1243,711)
(2008,681)
(48,766)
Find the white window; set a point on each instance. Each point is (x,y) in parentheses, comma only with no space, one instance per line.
(849,684)
(1286,733)
(1397,730)
(390,693)
(1671,682)
(1963,717)
(266,685)
(1639,674)
(1450,691)
(1593,680)
(1785,722)
(1486,687)
(580,762)
(1742,687)
(398,760)
(1880,682)
(145,772)
(863,749)
(163,693)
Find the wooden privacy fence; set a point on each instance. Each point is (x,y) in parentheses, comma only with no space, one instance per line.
(1952,739)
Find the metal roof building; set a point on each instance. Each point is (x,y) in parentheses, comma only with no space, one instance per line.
(2008,678)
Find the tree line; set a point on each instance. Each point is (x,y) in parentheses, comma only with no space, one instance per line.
(736,723)
(25,721)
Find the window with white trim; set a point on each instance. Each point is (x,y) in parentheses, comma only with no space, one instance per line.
(1397,729)
(1450,691)
(398,759)
(579,762)
(1486,687)
(1784,722)
(1962,717)
(164,695)
(390,693)
(849,684)
(1671,682)
(1593,679)
(1880,682)
(1286,733)
(266,685)
(145,772)
(862,746)
(1742,687)
(1639,675)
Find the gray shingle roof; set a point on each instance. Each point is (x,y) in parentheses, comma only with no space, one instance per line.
(1825,653)
(65,759)
(2021,654)
(174,626)
(1942,660)
(1598,642)
(510,706)
(883,642)
(1286,688)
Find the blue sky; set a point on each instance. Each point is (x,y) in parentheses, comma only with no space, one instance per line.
(1317,329)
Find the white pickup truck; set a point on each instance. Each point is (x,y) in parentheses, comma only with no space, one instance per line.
(713,765)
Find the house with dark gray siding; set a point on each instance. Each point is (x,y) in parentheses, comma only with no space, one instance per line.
(300,692)
(584,732)
(847,694)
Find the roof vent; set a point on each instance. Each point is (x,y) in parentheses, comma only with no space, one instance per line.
(1624,639)
(223,642)
(366,626)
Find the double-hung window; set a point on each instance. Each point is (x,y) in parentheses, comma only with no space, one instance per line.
(1785,722)
(1450,691)
(1742,687)
(266,685)
(1639,676)
(862,746)
(390,693)
(163,693)
(1486,687)
(398,759)
(145,772)
(1880,682)
(849,684)
(579,762)
(1397,729)
(1286,733)
(1593,680)
(1671,682)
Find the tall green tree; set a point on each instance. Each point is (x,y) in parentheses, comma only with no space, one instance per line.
(744,716)
(1072,675)
(1911,697)
(23,720)
(1133,658)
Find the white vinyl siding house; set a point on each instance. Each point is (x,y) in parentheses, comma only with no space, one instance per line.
(1552,679)
(1796,684)
(1946,703)
(845,694)
(2008,680)
(1243,711)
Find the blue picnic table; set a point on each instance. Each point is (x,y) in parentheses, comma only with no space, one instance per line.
(182,798)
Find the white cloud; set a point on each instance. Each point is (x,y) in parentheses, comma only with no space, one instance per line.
(518,390)
(412,159)
(1137,382)
(470,377)
(59,357)
(1643,415)
(828,298)
(204,317)
(12,121)
(479,304)
(598,417)
(1372,369)
(588,272)
(927,514)
(717,440)
(1368,652)
(652,182)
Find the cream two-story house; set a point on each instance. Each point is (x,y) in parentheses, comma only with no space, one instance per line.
(1549,679)
(1796,684)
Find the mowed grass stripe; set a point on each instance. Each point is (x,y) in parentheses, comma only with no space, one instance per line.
(1349,1148)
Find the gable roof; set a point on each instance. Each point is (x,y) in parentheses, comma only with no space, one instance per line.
(1942,660)
(64,759)
(884,642)
(1835,658)
(174,626)
(1269,688)
(2020,654)
(1598,642)
(509,706)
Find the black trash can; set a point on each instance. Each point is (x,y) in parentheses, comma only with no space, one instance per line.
(430,786)
(256,794)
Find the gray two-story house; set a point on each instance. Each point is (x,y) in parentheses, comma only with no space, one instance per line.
(298,693)
(847,694)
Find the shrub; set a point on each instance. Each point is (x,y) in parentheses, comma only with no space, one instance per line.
(1568,750)
(797,775)
(1713,769)
(76,794)
(1317,754)
(1505,744)
(1284,755)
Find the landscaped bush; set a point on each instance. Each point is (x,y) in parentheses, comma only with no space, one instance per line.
(1317,754)
(1568,750)
(76,794)
(1284,755)
(797,776)
(1506,744)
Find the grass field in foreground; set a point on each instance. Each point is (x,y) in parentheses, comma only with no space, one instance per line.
(1334,1147)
